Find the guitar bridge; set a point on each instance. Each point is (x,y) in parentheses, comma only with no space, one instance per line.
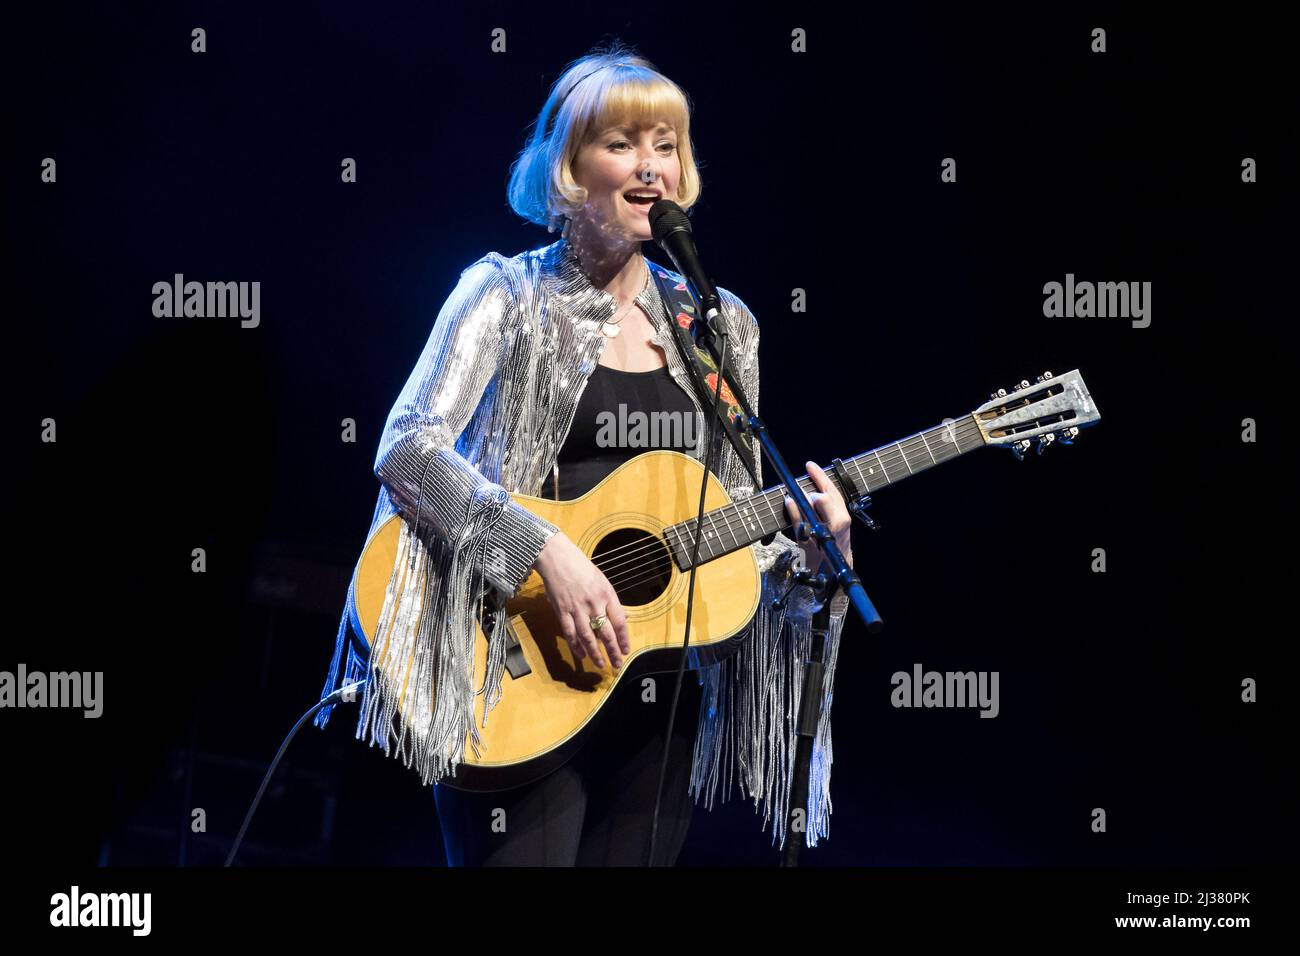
(516,662)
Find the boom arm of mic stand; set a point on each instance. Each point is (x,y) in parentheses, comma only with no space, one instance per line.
(845,575)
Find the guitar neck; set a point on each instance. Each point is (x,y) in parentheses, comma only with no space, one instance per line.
(741,523)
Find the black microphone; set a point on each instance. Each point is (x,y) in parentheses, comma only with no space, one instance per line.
(671,229)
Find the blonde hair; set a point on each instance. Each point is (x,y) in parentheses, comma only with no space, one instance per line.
(602,89)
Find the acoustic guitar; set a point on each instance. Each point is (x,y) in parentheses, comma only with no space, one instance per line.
(637,526)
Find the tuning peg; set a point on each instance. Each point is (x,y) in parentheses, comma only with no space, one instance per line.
(1000,393)
(1044,377)
(1067,435)
(1019,448)
(1044,441)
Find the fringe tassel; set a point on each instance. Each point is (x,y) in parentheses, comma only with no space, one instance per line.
(431,644)
(749,713)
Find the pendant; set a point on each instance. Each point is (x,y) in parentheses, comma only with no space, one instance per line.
(609,329)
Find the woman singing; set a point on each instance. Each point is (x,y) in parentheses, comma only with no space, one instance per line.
(522,359)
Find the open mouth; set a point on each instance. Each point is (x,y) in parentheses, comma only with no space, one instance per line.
(640,200)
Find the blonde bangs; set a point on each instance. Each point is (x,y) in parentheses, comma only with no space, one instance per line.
(641,102)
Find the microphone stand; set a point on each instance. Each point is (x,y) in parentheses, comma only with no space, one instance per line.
(824,588)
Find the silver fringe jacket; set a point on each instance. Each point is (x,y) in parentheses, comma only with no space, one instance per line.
(484,413)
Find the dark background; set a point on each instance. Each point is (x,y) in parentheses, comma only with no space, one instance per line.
(821,171)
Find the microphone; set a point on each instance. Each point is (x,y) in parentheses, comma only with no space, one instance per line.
(671,230)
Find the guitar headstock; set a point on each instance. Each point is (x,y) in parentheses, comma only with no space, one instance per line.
(1051,410)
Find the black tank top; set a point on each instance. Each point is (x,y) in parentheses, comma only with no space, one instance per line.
(619,416)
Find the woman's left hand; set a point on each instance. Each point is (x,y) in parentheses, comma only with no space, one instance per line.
(831,511)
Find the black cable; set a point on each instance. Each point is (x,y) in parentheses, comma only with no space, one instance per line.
(690,592)
(334,698)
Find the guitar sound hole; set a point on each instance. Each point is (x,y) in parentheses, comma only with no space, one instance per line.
(636,563)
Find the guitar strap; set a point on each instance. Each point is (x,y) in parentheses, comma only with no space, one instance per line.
(704,371)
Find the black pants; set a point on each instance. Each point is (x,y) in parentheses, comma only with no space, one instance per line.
(596,809)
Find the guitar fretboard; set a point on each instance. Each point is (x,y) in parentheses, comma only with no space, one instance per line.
(741,523)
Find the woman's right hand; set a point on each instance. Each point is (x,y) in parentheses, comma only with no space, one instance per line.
(579,591)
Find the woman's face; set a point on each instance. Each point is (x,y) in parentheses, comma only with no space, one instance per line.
(608,168)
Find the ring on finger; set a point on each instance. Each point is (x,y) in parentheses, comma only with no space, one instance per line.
(597,622)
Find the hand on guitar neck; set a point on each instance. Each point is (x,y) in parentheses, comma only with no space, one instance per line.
(831,510)
(578,592)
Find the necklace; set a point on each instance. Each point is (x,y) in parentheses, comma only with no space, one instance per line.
(611,328)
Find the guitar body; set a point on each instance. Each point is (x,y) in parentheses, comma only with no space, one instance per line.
(547,698)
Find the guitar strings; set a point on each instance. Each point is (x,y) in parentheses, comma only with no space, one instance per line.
(620,562)
(634,550)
